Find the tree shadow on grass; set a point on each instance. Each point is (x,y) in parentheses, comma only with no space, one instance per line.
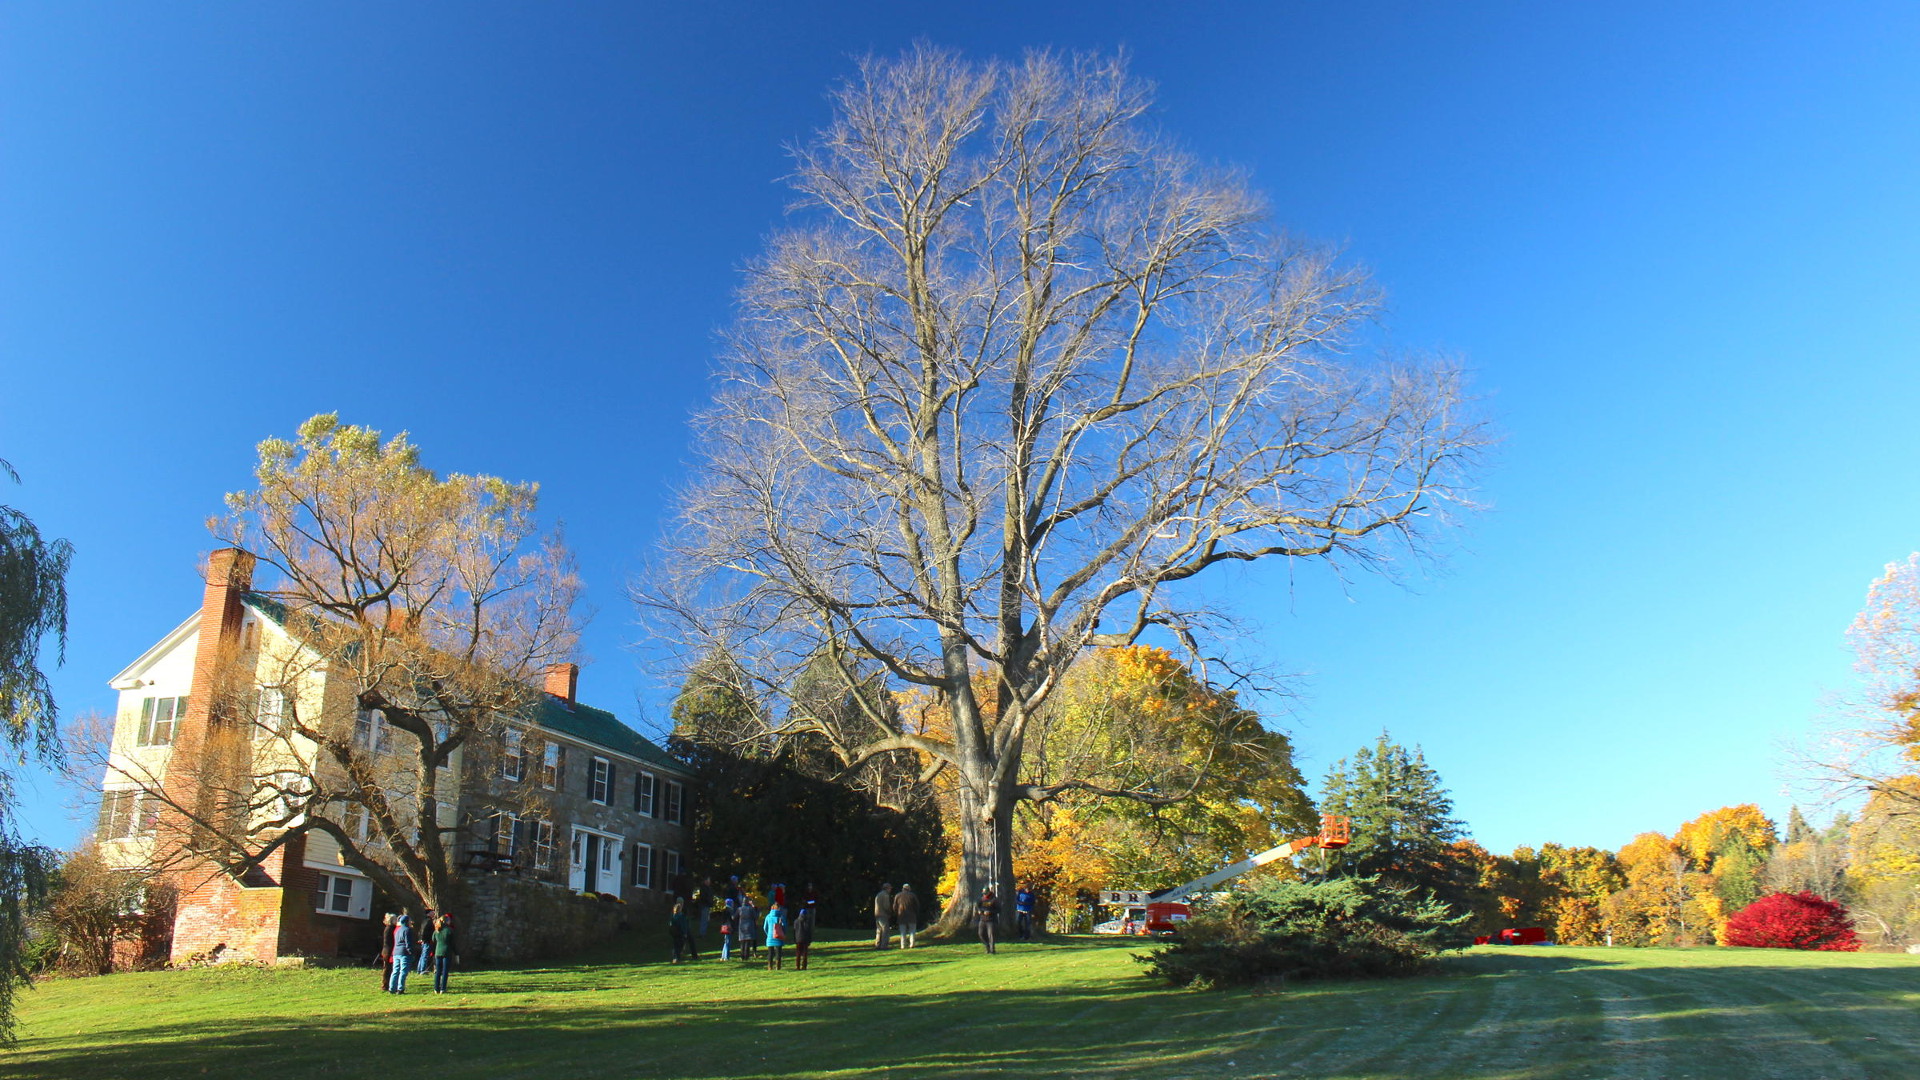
(1103,1025)
(969,1033)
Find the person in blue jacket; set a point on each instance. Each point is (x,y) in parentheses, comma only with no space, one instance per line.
(402,955)
(776,927)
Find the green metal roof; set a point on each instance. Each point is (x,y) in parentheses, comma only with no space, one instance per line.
(601,728)
(266,605)
(583,722)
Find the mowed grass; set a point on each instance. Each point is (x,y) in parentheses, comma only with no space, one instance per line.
(1068,1007)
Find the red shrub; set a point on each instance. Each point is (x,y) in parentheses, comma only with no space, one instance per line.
(1793,921)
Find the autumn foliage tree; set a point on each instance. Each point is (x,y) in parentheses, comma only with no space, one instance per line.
(1793,921)
(1135,717)
(416,614)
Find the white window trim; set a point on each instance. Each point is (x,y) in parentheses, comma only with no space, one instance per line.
(645,781)
(511,762)
(359,895)
(599,781)
(149,708)
(642,863)
(542,853)
(270,709)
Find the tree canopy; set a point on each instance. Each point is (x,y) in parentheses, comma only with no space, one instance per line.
(1019,369)
(419,612)
(1403,823)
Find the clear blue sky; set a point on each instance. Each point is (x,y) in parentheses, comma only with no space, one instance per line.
(1677,243)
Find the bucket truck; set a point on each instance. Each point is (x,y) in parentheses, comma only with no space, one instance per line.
(1161,913)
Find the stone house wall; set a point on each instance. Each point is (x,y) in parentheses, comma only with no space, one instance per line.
(512,919)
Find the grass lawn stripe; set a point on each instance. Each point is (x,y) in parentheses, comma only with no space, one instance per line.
(1071,1007)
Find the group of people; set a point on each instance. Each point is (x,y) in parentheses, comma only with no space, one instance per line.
(900,912)
(404,949)
(895,911)
(744,923)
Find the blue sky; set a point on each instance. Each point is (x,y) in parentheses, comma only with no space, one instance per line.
(1677,246)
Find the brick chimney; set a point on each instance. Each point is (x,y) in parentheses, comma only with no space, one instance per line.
(563,680)
(229,577)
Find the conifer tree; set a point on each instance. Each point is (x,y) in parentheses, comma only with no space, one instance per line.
(1403,823)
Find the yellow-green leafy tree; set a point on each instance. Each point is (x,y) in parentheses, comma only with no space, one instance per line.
(1731,845)
(1581,880)
(1665,902)
(1136,718)
(1883,875)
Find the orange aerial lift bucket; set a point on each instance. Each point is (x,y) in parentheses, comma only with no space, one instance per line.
(1335,831)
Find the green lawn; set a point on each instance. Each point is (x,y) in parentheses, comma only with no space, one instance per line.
(1073,1007)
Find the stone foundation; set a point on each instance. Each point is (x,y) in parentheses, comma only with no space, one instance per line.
(512,919)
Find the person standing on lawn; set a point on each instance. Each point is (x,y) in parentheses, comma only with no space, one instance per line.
(747,925)
(776,928)
(426,943)
(727,916)
(1023,912)
(989,912)
(882,915)
(802,936)
(443,946)
(402,956)
(678,929)
(386,950)
(906,914)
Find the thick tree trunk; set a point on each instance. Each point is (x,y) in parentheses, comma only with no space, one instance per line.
(986,852)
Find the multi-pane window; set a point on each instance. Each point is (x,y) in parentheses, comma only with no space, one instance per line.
(334,895)
(676,867)
(542,845)
(159,716)
(270,709)
(579,850)
(505,832)
(553,767)
(356,821)
(125,814)
(599,780)
(372,732)
(676,799)
(643,866)
(643,793)
(606,855)
(510,760)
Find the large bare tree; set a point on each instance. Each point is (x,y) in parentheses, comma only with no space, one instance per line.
(416,614)
(1017,369)
(1868,750)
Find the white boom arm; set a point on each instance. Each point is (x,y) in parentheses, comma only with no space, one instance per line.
(1286,850)
(1334,832)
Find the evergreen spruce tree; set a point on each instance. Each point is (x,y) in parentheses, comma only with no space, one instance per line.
(1797,827)
(1403,824)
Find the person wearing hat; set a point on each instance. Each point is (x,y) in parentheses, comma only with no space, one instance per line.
(906,914)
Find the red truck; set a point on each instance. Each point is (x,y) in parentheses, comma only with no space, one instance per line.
(1515,935)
